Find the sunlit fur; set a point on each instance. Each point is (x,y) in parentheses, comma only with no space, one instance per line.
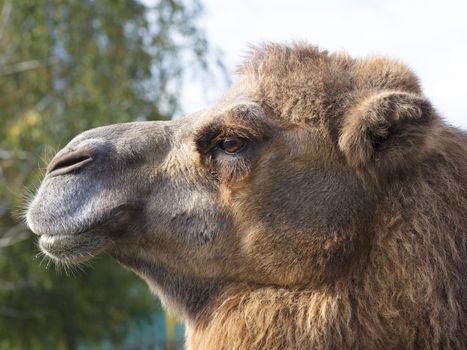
(340,223)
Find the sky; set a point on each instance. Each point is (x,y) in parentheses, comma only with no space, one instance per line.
(429,36)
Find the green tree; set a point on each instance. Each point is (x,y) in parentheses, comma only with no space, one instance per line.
(67,66)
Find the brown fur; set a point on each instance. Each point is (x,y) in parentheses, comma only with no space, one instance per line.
(410,294)
(339,225)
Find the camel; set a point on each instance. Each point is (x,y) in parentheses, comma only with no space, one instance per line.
(319,204)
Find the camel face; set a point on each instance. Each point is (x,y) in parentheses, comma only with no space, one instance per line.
(231,192)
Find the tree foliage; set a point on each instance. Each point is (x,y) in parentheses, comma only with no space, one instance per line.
(67,66)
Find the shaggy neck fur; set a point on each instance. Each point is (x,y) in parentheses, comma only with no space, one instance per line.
(407,296)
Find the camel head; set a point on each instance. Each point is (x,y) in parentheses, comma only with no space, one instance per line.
(274,185)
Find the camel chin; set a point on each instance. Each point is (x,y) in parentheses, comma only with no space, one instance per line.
(73,248)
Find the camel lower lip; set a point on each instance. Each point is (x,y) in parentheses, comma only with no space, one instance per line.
(73,248)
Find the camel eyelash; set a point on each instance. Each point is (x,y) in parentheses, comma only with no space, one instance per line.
(207,141)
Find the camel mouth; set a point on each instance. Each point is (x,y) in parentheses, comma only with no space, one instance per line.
(74,248)
(72,241)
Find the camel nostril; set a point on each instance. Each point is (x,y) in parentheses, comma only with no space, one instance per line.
(68,162)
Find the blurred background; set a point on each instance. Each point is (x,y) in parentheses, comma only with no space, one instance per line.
(67,66)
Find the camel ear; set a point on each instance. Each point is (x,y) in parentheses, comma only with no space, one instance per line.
(387,132)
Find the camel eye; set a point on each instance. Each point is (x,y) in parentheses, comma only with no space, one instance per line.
(231,145)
